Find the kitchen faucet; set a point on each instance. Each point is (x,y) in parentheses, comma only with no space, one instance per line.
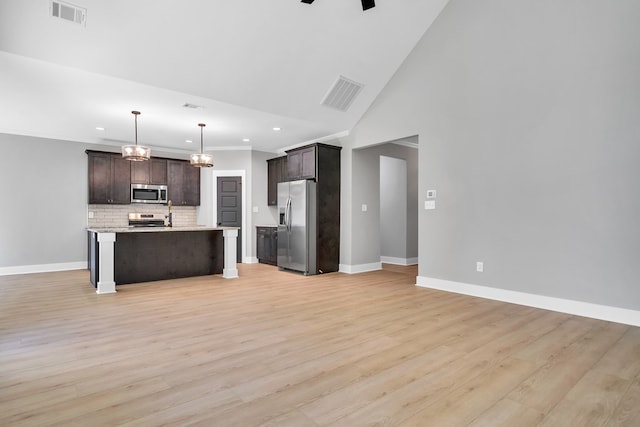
(169,218)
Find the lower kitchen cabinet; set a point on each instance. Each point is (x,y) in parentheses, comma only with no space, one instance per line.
(267,245)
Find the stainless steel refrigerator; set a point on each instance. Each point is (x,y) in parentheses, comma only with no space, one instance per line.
(297,226)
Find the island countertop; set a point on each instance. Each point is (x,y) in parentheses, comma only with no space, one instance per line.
(158,229)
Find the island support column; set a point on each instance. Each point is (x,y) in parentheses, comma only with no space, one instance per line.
(106,283)
(230,270)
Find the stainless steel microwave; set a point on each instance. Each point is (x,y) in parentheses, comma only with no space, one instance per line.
(145,193)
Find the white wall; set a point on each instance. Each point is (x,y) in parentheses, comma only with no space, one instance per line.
(393,209)
(527,114)
(43,213)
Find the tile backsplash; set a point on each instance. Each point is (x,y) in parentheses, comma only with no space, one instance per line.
(115,216)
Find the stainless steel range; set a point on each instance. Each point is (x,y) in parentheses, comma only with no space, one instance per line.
(147,220)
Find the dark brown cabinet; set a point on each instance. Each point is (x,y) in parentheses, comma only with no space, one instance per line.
(145,257)
(152,172)
(321,162)
(276,172)
(301,163)
(183,183)
(267,245)
(109,178)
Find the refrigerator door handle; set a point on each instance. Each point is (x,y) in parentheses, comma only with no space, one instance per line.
(289,215)
(286,215)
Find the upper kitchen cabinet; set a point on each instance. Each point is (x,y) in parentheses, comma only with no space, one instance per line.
(313,162)
(109,178)
(276,172)
(183,183)
(153,172)
(301,163)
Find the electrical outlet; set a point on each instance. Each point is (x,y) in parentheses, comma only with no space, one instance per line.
(90,214)
(479,266)
(364,208)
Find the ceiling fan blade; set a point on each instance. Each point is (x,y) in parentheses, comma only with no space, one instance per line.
(368,4)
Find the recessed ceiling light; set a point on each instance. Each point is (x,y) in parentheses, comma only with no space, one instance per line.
(246,140)
(188,141)
(99,128)
(276,129)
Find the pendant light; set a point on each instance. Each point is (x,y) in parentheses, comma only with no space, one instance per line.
(201,160)
(136,153)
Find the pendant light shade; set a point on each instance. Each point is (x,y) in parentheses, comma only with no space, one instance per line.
(136,153)
(201,160)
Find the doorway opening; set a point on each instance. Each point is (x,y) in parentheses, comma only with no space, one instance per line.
(385,188)
(229,206)
(393,210)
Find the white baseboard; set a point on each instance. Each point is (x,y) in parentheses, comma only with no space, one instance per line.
(42,268)
(249,260)
(579,308)
(398,261)
(359,268)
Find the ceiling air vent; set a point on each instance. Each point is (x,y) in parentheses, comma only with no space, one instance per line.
(342,94)
(68,12)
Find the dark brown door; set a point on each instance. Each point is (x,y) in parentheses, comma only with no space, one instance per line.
(273,170)
(183,181)
(175,181)
(294,165)
(158,172)
(153,171)
(191,185)
(140,172)
(308,163)
(121,180)
(109,179)
(99,178)
(230,205)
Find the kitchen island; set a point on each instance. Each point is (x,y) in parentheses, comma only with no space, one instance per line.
(132,255)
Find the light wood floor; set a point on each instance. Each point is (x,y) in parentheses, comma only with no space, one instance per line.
(279,349)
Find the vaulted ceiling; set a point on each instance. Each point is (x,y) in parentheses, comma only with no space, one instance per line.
(247,65)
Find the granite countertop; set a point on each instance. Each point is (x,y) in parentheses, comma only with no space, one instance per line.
(157,229)
(267,225)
